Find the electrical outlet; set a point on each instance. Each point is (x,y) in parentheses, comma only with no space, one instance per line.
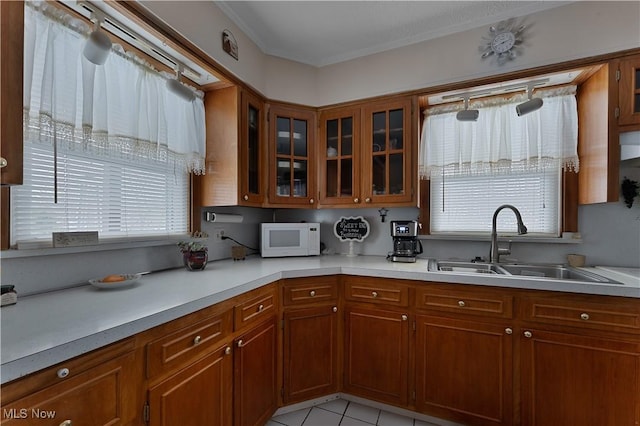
(219,234)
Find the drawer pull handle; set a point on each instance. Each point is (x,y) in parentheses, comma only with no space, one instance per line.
(197,340)
(260,308)
(62,373)
(334,309)
(3,162)
(508,330)
(374,294)
(461,303)
(311,201)
(404,317)
(528,334)
(246,197)
(66,423)
(312,293)
(356,200)
(584,316)
(240,343)
(227,350)
(367,200)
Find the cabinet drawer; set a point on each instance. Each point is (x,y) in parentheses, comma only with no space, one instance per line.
(584,313)
(64,371)
(474,302)
(106,394)
(187,344)
(257,308)
(309,290)
(388,292)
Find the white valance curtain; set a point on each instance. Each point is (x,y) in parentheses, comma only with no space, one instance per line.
(121,109)
(501,141)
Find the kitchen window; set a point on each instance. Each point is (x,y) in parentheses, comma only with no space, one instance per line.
(107,148)
(502,158)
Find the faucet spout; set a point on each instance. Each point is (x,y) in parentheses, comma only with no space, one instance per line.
(495,252)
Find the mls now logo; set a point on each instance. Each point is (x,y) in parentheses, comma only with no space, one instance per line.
(23,413)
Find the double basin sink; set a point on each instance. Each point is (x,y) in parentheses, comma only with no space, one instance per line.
(544,271)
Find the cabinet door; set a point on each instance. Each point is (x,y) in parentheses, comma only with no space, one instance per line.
(101,396)
(12,51)
(464,370)
(339,153)
(376,354)
(252,151)
(569,379)
(389,172)
(254,378)
(310,353)
(197,395)
(629,91)
(292,158)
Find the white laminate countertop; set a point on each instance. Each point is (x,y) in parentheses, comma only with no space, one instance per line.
(45,329)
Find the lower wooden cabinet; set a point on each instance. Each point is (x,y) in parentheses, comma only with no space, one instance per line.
(103,395)
(254,376)
(197,395)
(376,354)
(464,370)
(310,354)
(572,379)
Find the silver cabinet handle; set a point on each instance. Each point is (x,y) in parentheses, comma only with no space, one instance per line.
(312,293)
(62,373)
(374,294)
(508,330)
(246,197)
(197,340)
(260,308)
(3,162)
(584,316)
(356,200)
(528,334)
(240,343)
(367,200)
(311,201)
(334,309)
(227,350)
(404,317)
(66,423)
(461,303)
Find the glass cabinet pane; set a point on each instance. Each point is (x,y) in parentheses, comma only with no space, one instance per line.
(379,131)
(396,174)
(300,178)
(346,177)
(253,142)
(332,138)
(396,136)
(300,138)
(379,172)
(346,147)
(331,183)
(283,141)
(283,176)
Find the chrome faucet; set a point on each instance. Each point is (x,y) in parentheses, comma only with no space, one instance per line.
(496,252)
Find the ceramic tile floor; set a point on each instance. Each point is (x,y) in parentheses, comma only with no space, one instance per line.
(340,412)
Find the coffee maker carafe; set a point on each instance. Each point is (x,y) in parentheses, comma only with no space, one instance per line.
(406,245)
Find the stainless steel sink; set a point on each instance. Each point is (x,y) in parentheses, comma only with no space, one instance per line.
(545,271)
(465,267)
(555,272)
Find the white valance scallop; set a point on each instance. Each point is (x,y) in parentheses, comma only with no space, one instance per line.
(121,109)
(501,141)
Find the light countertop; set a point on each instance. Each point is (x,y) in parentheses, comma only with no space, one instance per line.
(45,329)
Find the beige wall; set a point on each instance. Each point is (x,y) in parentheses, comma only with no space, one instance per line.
(573,31)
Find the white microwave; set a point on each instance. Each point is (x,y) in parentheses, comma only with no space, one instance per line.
(289,239)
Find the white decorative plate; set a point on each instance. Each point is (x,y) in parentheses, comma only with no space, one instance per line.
(130,279)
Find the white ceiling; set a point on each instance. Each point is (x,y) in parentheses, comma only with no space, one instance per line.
(321,33)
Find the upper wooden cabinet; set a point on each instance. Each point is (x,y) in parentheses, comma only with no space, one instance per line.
(292,157)
(629,93)
(235,150)
(367,155)
(12,51)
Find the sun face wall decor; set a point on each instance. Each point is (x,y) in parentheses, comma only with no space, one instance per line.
(504,42)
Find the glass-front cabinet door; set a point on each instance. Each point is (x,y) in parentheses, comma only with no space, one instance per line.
(252,149)
(388,153)
(292,157)
(339,153)
(629,91)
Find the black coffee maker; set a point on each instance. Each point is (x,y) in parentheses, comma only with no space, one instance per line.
(406,245)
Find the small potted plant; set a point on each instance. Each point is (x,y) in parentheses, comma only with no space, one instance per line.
(194,253)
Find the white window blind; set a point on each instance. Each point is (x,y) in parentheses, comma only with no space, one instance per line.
(466,203)
(115,198)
